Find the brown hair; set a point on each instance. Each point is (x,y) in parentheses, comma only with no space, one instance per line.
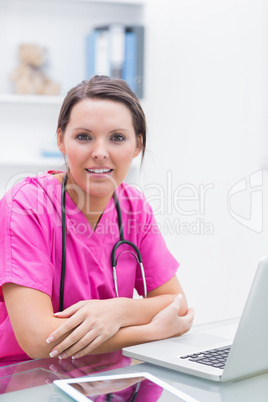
(104,87)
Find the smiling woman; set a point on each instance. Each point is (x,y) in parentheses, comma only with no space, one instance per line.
(99,142)
(101,128)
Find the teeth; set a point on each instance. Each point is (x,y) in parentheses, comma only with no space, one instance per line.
(99,170)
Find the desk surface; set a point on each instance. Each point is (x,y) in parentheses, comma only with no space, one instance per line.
(33,381)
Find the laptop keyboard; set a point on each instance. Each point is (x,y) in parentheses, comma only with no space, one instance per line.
(214,357)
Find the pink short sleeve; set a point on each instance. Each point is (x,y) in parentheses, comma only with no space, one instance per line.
(141,228)
(24,244)
(160,265)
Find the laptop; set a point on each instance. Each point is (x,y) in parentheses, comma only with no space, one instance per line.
(219,352)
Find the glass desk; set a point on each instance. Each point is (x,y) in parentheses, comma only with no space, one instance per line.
(32,381)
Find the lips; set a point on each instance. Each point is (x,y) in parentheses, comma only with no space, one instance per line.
(99,170)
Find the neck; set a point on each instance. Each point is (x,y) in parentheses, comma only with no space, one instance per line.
(91,206)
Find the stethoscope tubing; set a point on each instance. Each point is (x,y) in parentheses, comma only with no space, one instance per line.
(113,255)
(63,237)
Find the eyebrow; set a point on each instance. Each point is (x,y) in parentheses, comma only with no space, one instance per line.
(90,131)
(81,128)
(119,129)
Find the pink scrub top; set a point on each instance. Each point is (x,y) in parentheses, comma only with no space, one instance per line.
(31,249)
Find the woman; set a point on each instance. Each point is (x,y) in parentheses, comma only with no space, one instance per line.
(101,129)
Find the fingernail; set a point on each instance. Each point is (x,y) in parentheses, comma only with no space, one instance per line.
(53,353)
(57,313)
(53,368)
(62,356)
(75,356)
(50,339)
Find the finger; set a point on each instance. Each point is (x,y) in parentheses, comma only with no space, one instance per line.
(79,345)
(177,301)
(75,336)
(190,315)
(69,368)
(89,348)
(68,326)
(187,320)
(190,311)
(56,369)
(62,367)
(82,366)
(69,311)
(52,377)
(90,340)
(74,368)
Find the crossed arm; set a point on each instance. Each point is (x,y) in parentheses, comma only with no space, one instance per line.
(95,326)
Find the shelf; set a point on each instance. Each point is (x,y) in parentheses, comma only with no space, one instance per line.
(31,99)
(130,2)
(102,2)
(35,161)
(122,2)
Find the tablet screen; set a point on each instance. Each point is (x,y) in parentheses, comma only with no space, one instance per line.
(123,389)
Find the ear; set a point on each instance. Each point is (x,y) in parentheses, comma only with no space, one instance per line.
(60,141)
(139,144)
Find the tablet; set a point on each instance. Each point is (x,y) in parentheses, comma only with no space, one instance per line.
(121,388)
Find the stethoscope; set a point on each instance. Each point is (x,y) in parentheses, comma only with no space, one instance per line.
(113,257)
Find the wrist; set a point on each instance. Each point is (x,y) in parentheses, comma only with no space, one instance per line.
(122,307)
(135,312)
(155,331)
(141,311)
(152,332)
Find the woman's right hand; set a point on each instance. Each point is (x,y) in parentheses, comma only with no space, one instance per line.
(167,323)
(90,323)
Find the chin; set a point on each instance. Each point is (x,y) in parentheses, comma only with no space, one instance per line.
(101,192)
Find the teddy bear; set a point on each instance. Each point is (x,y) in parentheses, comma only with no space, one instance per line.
(29,77)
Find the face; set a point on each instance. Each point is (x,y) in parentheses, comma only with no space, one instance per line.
(99,142)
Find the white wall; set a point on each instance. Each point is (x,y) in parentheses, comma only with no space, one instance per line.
(206,104)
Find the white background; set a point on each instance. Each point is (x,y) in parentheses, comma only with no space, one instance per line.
(206,87)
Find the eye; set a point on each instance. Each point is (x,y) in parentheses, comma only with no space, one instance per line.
(83,137)
(117,138)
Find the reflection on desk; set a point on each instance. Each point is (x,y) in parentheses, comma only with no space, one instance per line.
(38,372)
(33,381)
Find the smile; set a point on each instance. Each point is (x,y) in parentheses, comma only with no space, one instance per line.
(99,171)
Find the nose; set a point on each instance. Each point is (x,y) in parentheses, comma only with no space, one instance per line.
(100,150)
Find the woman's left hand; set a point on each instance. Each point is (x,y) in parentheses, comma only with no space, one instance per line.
(168,323)
(89,324)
